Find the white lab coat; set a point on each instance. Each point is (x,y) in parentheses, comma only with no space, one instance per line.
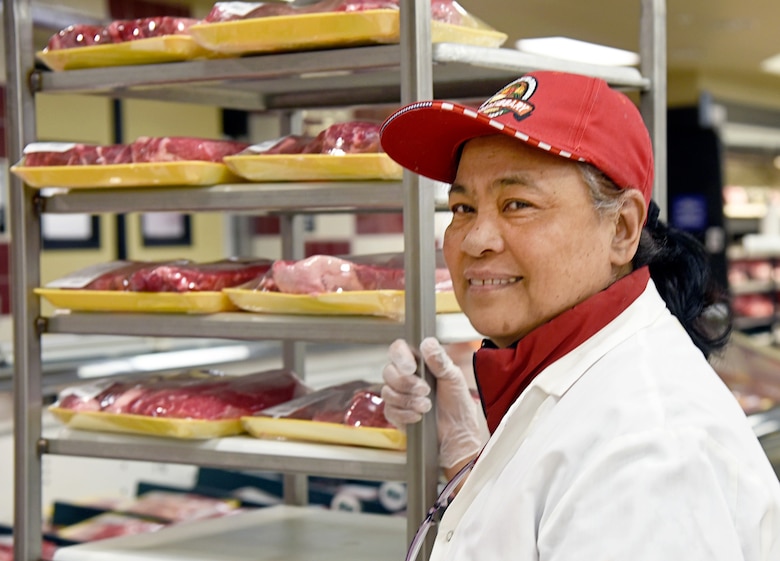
(630,448)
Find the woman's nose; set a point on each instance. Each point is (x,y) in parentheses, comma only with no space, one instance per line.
(483,236)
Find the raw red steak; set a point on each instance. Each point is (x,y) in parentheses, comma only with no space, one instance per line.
(143,28)
(119,277)
(81,154)
(175,148)
(118,31)
(188,395)
(196,277)
(80,35)
(354,137)
(356,404)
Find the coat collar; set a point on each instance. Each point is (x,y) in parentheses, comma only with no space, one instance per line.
(503,374)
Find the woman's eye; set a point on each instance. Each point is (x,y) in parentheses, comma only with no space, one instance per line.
(516,205)
(459,208)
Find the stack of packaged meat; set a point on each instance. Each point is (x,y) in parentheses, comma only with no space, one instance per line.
(165,276)
(195,394)
(141,151)
(327,273)
(352,404)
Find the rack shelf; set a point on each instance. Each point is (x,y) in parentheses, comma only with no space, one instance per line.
(237,452)
(249,326)
(318,78)
(290,533)
(269,197)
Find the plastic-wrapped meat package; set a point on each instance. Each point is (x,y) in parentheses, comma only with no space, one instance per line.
(326,273)
(109,525)
(182,148)
(180,507)
(141,151)
(354,137)
(48,549)
(355,404)
(195,394)
(119,31)
(76,154)
(196,277)
(289,144)
(446,11)
(165,276)
(231,11)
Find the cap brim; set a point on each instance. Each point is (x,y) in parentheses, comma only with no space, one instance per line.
(426,137)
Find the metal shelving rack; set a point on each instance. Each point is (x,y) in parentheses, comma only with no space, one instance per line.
(335,77)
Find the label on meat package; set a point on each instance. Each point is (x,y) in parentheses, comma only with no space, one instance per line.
(84,276)
(48,147)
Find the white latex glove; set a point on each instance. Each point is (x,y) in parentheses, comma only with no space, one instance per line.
(405,395)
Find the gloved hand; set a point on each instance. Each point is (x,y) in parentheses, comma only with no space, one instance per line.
(406,399)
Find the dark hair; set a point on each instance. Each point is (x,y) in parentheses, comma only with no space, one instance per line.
(679,266)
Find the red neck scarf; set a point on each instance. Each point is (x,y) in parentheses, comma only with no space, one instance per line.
(503,374)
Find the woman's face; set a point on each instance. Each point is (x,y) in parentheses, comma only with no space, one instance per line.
(525,242)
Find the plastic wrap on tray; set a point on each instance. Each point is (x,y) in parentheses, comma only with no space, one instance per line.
(118,31)
(48,548)
(352,137)
(180,507)
(180,275)
(353,404)
(319,274)
(447,11)
(142,150)
(109,525)
(194,394)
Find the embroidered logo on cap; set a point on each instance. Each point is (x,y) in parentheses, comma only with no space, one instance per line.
(512,98)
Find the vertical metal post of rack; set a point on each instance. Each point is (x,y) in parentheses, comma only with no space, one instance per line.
(25,272)
(652,53)
(419,251)
(296,489)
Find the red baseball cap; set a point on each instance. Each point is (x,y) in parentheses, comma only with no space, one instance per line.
(570,115)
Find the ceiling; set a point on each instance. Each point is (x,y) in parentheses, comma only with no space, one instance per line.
(712,45)
(715,45)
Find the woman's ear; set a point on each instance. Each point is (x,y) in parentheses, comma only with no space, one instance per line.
(628,227)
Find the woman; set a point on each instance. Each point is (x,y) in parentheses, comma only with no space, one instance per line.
(611,435)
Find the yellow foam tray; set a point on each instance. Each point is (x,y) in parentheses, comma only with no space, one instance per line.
(357,302)
(150,174)
(329,433)
(168,48)
(329,29)
(314,167)
(142,424)
(118,301)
